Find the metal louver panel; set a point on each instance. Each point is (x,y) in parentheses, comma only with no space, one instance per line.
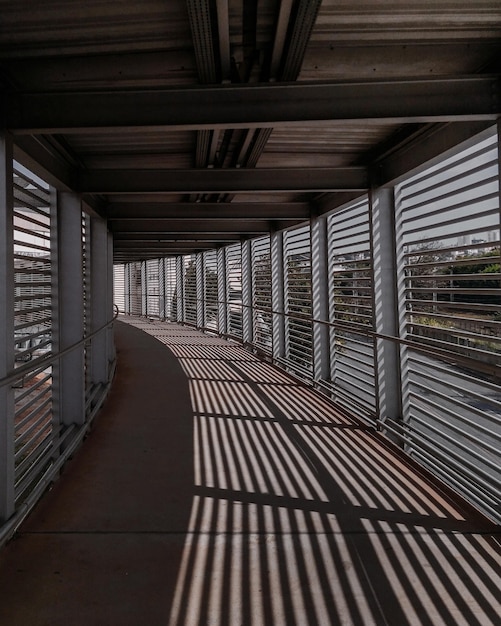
(234,289)
(210,291)
(449,233)
(190,289)
(32,259)
(135,287)
(152,288)
(351,308)
(168,294)
(261,293)
(298,307)
(119,287)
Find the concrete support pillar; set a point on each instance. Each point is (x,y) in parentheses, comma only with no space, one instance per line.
(222,296)
(320,298)
(69,374)
(386,315)
(247,325)
(277,294)
(99,300)
(6,330)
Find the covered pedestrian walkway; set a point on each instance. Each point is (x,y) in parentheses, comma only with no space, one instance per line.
(215,488)
(288,213)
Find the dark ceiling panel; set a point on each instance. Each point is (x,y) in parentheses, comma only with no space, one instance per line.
(172,118)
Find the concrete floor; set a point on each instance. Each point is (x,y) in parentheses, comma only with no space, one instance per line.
(214,489)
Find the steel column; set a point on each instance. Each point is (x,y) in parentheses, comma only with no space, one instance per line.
(222,295)
(127,289)
(179,290)
(69,377)
(499,173)
(162,288)
(386,319)
(144,289)
(6,329)
(200,289)
(99,289)
(111,353)
(277,294)
(247,325)
(320,298)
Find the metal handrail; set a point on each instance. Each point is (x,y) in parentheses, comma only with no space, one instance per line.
(454,358)
(51,358)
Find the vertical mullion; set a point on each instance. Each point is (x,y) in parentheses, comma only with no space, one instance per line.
(71,378)
(162,288)
(247,316)
(499,176)
(387,274)
(319,297)
(111,354)
(403,350)
(199,290)
(98,288)
(180,294)
(277,294)
(127,289)
(222,296)
(144,289)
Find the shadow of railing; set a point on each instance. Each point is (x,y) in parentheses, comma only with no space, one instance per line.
(301,515)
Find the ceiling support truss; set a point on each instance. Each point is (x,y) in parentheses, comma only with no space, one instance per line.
(255,106)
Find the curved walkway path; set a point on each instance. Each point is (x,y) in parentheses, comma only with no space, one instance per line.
(214,489)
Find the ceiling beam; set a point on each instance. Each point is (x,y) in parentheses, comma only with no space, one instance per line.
(199,226)
(326,203)
(223,180)
(190,238)
(208,210)
(255,106)
(159,245)
(39,156)
(429,145)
